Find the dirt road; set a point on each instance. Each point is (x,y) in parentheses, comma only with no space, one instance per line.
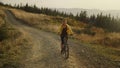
(45,52)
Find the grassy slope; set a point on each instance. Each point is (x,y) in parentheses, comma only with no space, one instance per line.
(82,32)
(14,46)
(45,22)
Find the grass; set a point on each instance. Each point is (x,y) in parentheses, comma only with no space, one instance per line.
(39,21)
(45,22)
(83,32)
(12,50)
(13,44)
(108,52)
(106,44)
(2,15)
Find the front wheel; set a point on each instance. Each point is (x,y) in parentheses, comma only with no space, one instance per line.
(66,52)
(66,49)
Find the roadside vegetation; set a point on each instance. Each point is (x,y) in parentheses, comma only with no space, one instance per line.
(101,32)
(13,43)
(84,32)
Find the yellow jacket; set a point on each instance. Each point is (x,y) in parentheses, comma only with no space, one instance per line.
(69,30)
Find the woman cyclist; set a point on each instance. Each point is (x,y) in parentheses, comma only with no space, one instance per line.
(64,31)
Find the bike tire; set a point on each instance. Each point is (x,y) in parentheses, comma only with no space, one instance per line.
(65,49)
(66,52)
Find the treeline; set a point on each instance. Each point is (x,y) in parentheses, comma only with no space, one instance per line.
(104,21)
(35,9)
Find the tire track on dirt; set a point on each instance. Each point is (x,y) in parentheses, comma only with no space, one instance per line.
(45,52)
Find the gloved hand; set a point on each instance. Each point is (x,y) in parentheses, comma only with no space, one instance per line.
(71,34)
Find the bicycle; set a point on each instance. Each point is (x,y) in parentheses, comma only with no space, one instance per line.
(65,51)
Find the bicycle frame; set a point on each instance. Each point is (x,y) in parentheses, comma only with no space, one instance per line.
(66,49)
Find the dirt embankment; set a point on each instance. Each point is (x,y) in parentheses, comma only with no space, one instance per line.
(45,51)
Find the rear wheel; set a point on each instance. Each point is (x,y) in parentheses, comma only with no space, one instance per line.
(66,49)
(66,52)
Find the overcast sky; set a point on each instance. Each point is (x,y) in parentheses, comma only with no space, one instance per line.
(86,4)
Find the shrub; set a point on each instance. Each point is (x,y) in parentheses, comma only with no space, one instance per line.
(78,31)
(89,32)
(3,32)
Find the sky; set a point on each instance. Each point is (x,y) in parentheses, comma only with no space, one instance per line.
(85,4)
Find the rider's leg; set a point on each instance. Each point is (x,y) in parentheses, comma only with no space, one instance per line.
(62,42)
(67,39)
(62,46)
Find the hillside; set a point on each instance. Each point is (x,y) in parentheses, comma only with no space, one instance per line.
(83,32)
(90,47)
(13,43)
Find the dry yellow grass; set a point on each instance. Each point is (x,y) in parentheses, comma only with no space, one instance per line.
(2,15)
(49,23)
(30,18)
(101,37)
(37,20)
(44,21)
(2,8)
(12,48)
(108,52)
(114,35)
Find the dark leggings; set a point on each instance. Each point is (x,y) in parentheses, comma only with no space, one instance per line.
(62,39)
